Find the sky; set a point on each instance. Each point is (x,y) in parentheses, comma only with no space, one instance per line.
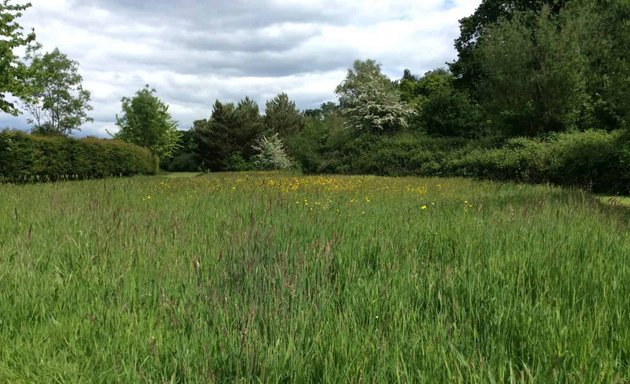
(194,52)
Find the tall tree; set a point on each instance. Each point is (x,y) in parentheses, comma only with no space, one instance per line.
(58,104)
(12,72)
(535,73)
(441,108)
(369,100)
(282,117)
(250,126)
(145,121)
(606,34)
(225,141)
(213,139)
(473,28)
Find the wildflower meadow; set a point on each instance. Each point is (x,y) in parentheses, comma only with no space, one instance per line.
(282,278)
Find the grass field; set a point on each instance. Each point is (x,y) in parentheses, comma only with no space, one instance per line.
(623,201)
(281,278)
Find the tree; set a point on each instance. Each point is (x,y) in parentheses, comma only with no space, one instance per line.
(325,110)
(473,28)
(214,143)
(282,117)
(370,102)
(604,32)
(225,141)
(184,157)
(441,108)
(57,102)
(408,87)
(270,154)
(249,127)
(146,122)
(12,72)
(535,73)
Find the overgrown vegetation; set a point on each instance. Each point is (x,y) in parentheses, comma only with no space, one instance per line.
(274,277)
(532,97)
(271,278)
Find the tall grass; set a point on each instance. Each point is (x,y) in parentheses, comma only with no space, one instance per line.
(275,278)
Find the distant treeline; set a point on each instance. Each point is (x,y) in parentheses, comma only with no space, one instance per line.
(540,92)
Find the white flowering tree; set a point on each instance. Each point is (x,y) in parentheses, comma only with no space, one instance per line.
(270,154)
(370,102)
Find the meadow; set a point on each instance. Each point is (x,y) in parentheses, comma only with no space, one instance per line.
(274,277)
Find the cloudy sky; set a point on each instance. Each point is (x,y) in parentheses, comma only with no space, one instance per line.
(194,52)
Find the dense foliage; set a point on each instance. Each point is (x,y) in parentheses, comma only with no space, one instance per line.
(282,116)
(57,102)
(12,71)
(145,121)
(271,154)
(370,102)
(27,158)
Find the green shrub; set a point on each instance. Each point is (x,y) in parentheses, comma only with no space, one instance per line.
(595,160)
(28,158)
(182,162)
(271,154)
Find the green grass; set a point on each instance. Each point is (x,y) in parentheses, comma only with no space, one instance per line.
(275,278)
(177,175)
(620,201)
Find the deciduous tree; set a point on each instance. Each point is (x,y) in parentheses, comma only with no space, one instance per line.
(370,102)
(145,121)
(12,71)
(57,102)
(535,74)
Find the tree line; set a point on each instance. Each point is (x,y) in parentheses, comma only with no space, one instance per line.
(525,68)
(541,70)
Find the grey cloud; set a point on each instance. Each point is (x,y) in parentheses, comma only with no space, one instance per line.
(195,51)
(237,63)
(222,14)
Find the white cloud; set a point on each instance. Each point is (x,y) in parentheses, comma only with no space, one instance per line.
(194,51)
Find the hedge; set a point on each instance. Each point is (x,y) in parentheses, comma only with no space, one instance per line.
(595,160)
(30,158)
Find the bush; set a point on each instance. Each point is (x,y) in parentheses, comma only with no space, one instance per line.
(397,155)
(183,162)
(270,154)
(28,158)
(595,160)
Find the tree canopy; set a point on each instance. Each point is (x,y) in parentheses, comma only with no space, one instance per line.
(12,71)
(226,140)
(282,116)
(145,121)
(473,28)
(370,101)
(57,101)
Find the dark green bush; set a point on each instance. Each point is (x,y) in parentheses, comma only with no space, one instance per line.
(184,162)
(595,160)
(28,158)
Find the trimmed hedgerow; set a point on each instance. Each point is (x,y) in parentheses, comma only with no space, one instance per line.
(30,158)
